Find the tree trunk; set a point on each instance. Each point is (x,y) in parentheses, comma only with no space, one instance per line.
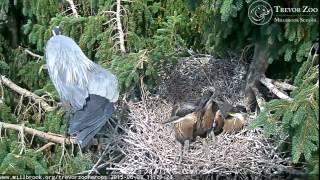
(13,26)
(257,69)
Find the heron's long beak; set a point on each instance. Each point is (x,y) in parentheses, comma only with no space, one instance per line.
(237,115)
(56,31)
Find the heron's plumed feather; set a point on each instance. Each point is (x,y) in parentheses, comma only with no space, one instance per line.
(75,76)
(65,55)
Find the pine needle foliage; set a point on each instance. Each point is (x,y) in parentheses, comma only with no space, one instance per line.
(29,163)
(156,33)
(94,37)
(227,21)
(297,121)
(4,8)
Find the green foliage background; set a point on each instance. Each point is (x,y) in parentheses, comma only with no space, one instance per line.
(157,32)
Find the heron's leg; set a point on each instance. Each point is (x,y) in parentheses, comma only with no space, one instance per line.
(67,117)
(205,147)
(68,113)
(178,152)
(186,147)
(212,136)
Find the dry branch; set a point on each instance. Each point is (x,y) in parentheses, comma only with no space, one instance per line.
(119,27)
(73,8)
(33,54)
(281,85)
(259,98)
(274,89)
(45,146)
(44,135)
(94,168)
(7,82)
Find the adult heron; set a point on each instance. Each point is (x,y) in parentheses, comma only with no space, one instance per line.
(86,89)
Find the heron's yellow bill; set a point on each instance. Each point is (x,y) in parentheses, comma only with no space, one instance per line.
(235,114)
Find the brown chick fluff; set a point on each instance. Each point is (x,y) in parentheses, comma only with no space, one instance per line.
(232,124)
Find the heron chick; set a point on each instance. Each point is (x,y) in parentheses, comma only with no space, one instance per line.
(233,123)
(88,89)
(192,120)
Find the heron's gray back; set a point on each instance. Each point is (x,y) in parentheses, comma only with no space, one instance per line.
(103,83)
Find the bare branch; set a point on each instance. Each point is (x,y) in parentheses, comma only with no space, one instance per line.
(33,54)
(73,8)
(111,20)
(45,146)
(259,98)
(281,85)
(274,89)
(48,136)
(94,168)
(110,12)
(7,82)
(119,27)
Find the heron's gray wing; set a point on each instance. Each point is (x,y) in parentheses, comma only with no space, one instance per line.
(204,99)
(86,123)
(103,83)
(68,68)
(239,109)
(225,108)
(70,93)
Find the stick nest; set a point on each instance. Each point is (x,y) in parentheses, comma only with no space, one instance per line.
(149,146)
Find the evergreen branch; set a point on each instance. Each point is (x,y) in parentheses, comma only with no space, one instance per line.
(33,54)
(1,91)
(119,27)
(274,89)
(48,136)
(7,82)
(73,8)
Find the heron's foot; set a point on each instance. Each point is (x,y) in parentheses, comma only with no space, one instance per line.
(183,150)
(186,146)
(179,154)
(66,134)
